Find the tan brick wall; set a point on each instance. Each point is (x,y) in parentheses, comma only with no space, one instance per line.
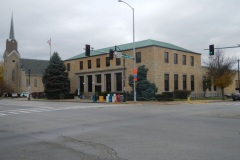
(38,87)
(75,68)
(153,58)
(11,62)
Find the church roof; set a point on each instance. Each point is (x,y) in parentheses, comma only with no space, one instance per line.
(129,46)
(37,67)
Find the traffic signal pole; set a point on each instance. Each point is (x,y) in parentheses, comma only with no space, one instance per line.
(238,45)
(211,48)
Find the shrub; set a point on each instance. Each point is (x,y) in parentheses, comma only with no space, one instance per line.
(36,95)
(181,94)
(69,96)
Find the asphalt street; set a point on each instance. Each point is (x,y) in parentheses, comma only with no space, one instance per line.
(35,130)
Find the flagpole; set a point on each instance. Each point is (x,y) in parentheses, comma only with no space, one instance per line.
(50,47)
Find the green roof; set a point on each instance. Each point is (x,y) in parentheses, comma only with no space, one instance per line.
(129,46)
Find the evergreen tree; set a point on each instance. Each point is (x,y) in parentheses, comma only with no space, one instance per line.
(144,89)
(55,78)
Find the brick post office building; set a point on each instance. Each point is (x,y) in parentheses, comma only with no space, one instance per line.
(170,67)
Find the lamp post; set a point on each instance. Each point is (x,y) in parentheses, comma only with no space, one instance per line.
(238,78)
(134,56)
(29,71)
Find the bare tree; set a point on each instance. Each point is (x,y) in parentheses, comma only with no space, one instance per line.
(220,70)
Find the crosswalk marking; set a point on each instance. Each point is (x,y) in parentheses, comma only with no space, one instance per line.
(48,109)
(22,111)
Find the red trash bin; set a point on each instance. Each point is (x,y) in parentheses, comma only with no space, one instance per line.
(118,97)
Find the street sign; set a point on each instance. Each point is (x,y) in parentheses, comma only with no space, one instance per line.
(118,54)
(134,71)
(127,56)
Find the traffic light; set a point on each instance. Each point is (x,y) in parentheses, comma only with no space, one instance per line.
(87,50)
(211,49)
(111,54)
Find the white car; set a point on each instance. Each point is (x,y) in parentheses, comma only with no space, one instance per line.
(24,94)
(14,95)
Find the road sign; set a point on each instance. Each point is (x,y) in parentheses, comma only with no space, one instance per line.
(127,56)
(118,54)
(134,71)
(135,77)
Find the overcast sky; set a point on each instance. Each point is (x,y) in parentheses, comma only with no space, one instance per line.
(191,24)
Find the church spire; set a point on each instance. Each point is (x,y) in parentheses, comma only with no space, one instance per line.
(11,35)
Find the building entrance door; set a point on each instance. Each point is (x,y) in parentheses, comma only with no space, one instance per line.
(98,88)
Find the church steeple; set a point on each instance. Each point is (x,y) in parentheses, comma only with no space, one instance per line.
(11,35)
(11,42)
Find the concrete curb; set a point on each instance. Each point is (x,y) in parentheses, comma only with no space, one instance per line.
(128,102)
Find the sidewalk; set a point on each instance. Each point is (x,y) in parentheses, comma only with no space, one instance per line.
(79,100)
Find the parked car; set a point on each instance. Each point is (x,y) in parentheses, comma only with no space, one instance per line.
(14,95)
(236,96)
(24,94)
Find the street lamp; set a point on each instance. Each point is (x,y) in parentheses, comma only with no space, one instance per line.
(29,70)
(238,78)
(134,56)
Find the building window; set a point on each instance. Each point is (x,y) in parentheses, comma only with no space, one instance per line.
(90,83)
(98,62)
(166,57)
(166,82)
(175,82)
(35,82)
(107,61)
(13,75)
(68,66)
(215,88)
(81,65)
(192,61)
(203,78)
(175,58)
(184,82)
(81,79)
(27,82)
(108,82)
(138,57)
(184,60)
(118,61)
(89,64)
(210,88)
(19,83)
(98,77)
(192,83)
(119,81)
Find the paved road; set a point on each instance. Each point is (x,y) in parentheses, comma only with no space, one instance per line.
(97,131)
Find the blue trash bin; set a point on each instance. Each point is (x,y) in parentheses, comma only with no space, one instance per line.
(110,98)
(94,98)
